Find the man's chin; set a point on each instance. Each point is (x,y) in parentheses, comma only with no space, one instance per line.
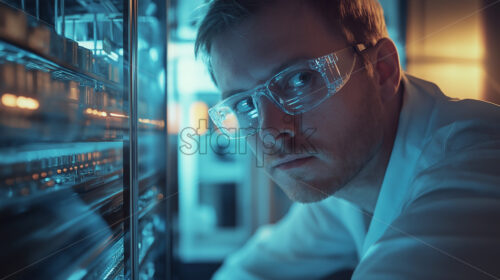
(305,195)
(303,190)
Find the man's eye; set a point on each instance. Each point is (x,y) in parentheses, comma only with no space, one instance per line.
(299,80)
(245,105)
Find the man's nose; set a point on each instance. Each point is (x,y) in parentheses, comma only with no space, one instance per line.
(275,125)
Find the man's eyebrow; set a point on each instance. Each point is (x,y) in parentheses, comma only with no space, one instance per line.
(275,71)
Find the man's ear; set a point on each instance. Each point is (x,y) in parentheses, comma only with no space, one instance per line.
(387,69)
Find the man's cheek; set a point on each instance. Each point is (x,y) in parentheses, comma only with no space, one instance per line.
(306,145)
(261,149)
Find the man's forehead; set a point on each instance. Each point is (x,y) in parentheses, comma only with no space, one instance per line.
(242,64)
(248,53)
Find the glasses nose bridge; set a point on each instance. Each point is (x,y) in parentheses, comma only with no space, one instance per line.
(267,107)
(265,91)
(260,93)
(272,121)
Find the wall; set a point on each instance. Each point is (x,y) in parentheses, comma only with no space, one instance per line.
(446,45)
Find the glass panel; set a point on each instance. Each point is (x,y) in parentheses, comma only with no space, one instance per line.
(63,117)
(151,143)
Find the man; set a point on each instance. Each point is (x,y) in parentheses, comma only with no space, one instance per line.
(395,180)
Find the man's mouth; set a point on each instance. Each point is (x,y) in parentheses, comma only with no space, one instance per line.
(290,161)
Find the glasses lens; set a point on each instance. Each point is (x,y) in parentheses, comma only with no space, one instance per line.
(236,116)
(305,86)
(298,90)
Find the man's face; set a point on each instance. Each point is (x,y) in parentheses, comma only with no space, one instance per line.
(321,150)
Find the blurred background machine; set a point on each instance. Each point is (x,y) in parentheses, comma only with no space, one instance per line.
(83,185)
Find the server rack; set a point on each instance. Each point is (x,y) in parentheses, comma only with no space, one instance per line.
(83,191)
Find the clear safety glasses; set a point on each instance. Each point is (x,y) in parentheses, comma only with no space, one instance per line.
(295,90)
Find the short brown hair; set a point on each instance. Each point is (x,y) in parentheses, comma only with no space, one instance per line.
(361,21)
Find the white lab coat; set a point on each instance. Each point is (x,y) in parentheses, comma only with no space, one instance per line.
(437,215)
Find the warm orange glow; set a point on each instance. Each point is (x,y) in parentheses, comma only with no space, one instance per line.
(459,80)
(27,103)
(157,123)
(35,176)
(447,48)
(173,118)
(198,117)
(231,122)
(9,100)
(59,171)
(95,112)
(65,169)
(43,174)
(116,115)
(21,102)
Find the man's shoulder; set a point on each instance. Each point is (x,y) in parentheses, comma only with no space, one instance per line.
(462,146)
(451,125)
(446,178)
(445,110)
(467,113)
(462,156)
